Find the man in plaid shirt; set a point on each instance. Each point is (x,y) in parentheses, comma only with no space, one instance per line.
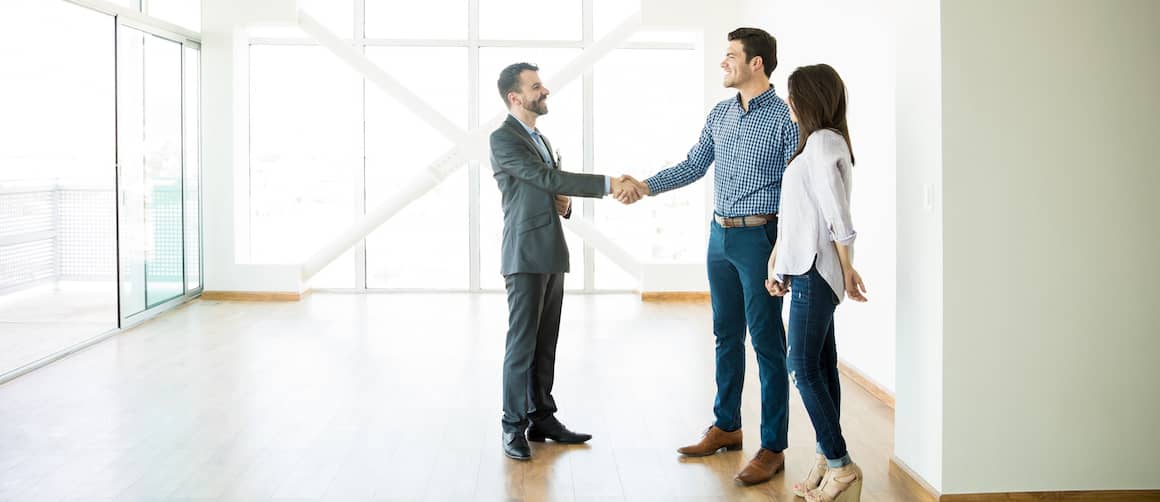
(750,138)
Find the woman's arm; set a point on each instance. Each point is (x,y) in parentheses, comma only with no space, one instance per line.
(855,289)
(774,286)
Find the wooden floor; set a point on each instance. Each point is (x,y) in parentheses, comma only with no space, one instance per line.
(393,397)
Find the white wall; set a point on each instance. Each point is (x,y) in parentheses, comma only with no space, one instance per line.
(1051,117)
(856,38)
(918,412)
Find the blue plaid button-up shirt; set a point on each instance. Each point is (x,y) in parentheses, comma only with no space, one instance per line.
(750,149)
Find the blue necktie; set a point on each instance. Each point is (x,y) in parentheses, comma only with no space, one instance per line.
(542,147)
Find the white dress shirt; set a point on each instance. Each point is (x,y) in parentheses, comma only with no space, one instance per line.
(815,211)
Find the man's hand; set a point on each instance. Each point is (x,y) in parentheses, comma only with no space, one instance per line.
(628,190)
(563,204)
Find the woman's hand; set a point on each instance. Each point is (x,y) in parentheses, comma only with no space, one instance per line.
(854,287)
(776,288)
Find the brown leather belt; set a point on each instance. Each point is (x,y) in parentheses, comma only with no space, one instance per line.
(755,220)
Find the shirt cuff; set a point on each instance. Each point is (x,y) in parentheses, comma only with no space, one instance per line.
(844,240)
(654,185)
(607,185)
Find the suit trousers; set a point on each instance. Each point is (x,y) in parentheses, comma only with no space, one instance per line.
(529,363)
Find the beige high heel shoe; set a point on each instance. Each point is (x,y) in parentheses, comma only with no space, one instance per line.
(813,479)
(841,484)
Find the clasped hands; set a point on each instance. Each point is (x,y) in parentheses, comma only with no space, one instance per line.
(774,286)
(628,190)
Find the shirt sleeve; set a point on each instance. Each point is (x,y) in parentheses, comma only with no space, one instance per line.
(693,168)
(826,150)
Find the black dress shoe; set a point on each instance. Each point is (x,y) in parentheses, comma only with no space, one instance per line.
(515,446)
(554,430)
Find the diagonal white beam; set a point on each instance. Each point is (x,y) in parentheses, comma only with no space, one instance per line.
(376,75)
(468,146)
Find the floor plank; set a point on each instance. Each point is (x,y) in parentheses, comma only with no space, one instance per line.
(395,397)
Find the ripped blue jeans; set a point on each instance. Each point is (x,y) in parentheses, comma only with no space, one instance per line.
(812,360)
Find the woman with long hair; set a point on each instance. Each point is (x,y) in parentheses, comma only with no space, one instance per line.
(814,259)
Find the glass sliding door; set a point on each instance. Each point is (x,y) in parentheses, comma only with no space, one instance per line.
(149,126)
(57,202)
(131,168)
(164,259)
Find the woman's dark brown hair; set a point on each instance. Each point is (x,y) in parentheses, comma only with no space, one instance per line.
(818,98)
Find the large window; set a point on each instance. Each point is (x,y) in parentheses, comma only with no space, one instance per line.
(662,228)
(306,156)
(328,146)
(433,253)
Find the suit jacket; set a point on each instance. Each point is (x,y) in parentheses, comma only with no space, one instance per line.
(533,237)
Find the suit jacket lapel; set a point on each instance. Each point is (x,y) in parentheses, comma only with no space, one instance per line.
(551,152)
(515,124)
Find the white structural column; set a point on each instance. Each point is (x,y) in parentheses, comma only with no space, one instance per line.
(468,146)
(225,147)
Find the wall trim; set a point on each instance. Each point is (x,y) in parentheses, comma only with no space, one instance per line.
(916,486)
(1086,496)
(252,296)
(874,388)
(675,296)
(920,490)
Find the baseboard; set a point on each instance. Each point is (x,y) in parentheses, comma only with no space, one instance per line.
(675,296)
(1085,496)
(918,489)
(251,296)
(879,392)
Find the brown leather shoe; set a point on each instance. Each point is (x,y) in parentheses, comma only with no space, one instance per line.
(762,468)
(713,440)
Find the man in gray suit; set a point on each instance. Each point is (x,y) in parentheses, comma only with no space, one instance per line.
(535,258)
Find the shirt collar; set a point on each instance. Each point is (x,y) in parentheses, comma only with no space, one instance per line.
(531,132)
(759,100)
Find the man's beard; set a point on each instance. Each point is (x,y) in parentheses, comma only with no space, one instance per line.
(538,107)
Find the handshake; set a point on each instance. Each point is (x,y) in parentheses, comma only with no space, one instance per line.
(628,190)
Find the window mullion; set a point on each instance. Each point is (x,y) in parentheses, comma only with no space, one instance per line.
(473,168)
(589,206)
